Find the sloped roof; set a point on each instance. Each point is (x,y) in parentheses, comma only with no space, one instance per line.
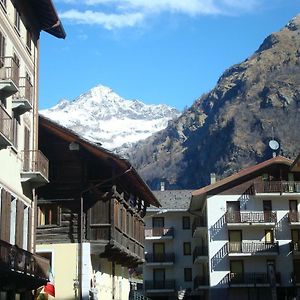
(48,18)
(174,199)
(102,153)
(238,177)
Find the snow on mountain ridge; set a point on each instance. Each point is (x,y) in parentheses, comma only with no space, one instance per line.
(103,116)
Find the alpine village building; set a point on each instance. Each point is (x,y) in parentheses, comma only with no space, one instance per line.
(248,232)
(23,166)
(90,216)
(170,271)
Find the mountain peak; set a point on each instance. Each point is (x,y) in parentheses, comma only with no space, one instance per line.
(294,24)
(101,115)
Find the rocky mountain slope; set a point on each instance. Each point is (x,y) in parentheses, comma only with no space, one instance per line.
(230,127)
(102,116)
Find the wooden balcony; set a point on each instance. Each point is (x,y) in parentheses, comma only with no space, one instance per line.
(255,218)
(252,279)
(159,233)
(252,248)
(9,76)
(199,226)
(35,168)
(166,285)
(201,282)
(6,129)
(23,99)
(277,187)
(200,254)
(160,259)
(112,243)
(21,268)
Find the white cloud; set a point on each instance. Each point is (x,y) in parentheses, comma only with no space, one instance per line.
(129,13)
(108,21)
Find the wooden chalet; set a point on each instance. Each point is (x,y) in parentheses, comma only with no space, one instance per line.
(93,196)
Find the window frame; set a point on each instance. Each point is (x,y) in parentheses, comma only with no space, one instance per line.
(188,274)
(188,250)
(17,21)
(186,222)
(52,224)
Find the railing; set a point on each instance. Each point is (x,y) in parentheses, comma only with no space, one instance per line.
(6,124)
(294,216)
(9,69)
(251,278)
(277,186)
(160,285)
(294,246)
(199,221)
(251,217)
(200,281)
(16,259)
(35,161)
(252,247)
(137,295)
(159,231)
(25,90)
(160,257)
(200,251)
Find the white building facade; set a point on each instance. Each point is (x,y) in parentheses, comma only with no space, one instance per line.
(169,271)
(249,233)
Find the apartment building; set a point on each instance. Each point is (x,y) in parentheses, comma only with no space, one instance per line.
(170,270)
(248,232)
(90,216)
(23,166)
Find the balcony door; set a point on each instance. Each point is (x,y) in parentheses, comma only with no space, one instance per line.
(159,278)
(233,211)
(158,224)
(235,240)
(267,207)
(236,271)
(293,214)
(295,233)
(159,251)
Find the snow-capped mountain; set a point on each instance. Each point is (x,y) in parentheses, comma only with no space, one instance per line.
(102,116)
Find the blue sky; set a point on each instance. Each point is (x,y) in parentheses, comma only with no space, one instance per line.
(157,51)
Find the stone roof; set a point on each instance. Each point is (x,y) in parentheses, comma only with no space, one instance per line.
(173,199)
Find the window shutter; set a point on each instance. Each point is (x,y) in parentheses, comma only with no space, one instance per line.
(19,223)
(5,215)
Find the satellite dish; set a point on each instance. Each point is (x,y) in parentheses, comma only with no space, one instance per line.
(274,145)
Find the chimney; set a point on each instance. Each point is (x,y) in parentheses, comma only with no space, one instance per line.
(162,186)
(213,178)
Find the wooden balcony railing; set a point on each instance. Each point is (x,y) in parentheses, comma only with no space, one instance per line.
(253,247)
(9,69)
(160,257)
(15,259)
(277,186)
(294,216)
(160,285)
(25,90)
(200,251)
(200,281)
(251,278)
(35,161)
(159,231)
(251,217)
(6,124)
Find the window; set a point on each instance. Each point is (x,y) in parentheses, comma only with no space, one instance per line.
(2,49)
(186,224)
(187,274)
(158,222)
(17,20)
(48,214)
(187,249)
(28,40)
(269,236)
